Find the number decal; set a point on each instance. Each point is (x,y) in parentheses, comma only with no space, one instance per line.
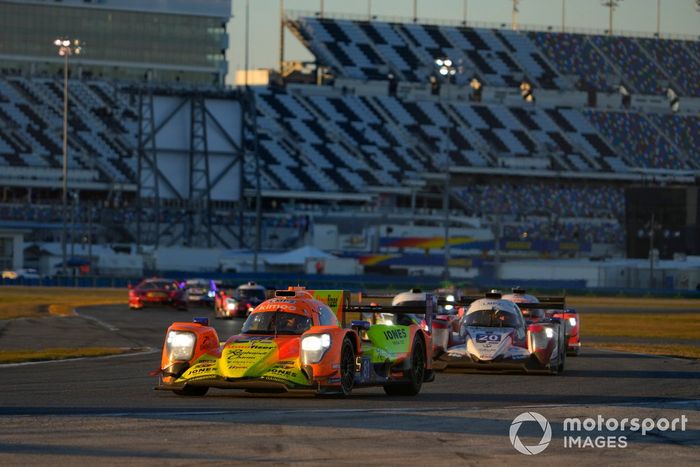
(487,338)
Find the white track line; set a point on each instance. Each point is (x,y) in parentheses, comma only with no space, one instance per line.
(146,351)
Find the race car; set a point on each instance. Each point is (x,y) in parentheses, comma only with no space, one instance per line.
(298,341)
(414,297)
(200,291)
(231,301)
(495,336)
(157,291)
(552,307)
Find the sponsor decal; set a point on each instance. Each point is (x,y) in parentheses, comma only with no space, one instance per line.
(395,334)
(332,298)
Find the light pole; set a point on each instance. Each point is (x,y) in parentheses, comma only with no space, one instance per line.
(563,15)
(611,4)
(514,19)
(66,47)
(447,70)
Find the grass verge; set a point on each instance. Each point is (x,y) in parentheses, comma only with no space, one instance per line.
(20,356)
(633,302)
(642,325)
(667,350)
(27,302)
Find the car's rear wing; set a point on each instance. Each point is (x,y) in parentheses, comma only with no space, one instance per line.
(545,303)
(361,296)
(426,310)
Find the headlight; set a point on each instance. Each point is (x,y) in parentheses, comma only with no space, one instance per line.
(211,294)
(572,321)
(231,305)
(540,339)
(314,347)
(180,345)
(449,307)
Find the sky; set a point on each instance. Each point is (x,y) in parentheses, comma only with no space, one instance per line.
(678,17)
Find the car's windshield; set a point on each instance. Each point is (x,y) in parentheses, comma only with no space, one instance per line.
(492,317)
(165,285)
(276,322)
(253,295)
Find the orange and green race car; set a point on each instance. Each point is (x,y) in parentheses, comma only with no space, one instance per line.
(298,341)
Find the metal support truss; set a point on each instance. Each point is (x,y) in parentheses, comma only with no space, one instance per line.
(199,209)
(251,167)
(193,225)
(148,195)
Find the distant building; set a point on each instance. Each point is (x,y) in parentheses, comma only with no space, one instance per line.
(164,41)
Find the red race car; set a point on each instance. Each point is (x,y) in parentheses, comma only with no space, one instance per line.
(157,291)
(552,307)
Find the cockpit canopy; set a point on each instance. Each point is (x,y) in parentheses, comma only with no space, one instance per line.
(489,312)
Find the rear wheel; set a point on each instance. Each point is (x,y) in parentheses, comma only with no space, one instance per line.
(347,367)
(414,375)
(192,391)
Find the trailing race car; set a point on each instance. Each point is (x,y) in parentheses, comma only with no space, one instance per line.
(231,301)
(552,307)
(157,291)
(494,335)
(294,342)
(200,291)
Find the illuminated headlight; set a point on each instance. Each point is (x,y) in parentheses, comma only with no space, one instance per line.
(540,339)
(549,333)
(180,345)
(449,307)
(572,321)
(450,298)
(231,305)
(211,294)
(314,347)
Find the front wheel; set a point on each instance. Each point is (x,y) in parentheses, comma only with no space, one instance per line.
(347,367)
(414,375)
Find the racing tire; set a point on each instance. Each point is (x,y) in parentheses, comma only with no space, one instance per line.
(414,375)
(347,367)
(562,361)
(192,391)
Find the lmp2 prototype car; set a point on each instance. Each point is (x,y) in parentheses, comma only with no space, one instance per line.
(294,342)
(551,307)
(238,301)
(200,291)
(493,335)
(157,291)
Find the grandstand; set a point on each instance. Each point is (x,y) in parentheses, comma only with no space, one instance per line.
(375,148)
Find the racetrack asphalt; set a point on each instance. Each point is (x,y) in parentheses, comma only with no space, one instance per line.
(105,411)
